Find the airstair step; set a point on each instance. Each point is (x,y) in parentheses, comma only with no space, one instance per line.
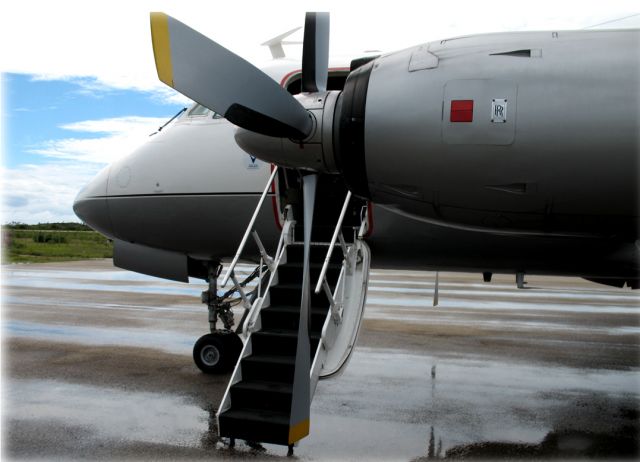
(264,386)
(262,394)
(291,294)
(269,367)
(288,317)
(266,426)
(281,341)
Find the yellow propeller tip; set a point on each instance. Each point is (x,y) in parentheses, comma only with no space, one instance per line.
(161,42)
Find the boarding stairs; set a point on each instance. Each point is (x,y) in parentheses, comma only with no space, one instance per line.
(290,344)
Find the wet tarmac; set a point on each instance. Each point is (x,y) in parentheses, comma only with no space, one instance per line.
(97,365)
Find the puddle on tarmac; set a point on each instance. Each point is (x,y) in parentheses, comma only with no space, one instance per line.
(388,405)
(391,400)
(108,414)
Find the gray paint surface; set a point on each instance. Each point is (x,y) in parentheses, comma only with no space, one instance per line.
(570,143)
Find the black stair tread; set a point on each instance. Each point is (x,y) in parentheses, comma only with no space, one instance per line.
(295,309)
(264,385)
(274,331)
(257,415)
(274,359)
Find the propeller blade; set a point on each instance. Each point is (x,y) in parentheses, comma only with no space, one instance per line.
(315,52)
(301,399)
(309,186)
(211,75)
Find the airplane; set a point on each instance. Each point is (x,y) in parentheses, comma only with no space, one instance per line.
(510,153)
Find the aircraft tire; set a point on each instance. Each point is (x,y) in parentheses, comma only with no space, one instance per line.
(217,352)
(210,354)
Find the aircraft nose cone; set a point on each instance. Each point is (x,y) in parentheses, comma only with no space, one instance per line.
(91,206)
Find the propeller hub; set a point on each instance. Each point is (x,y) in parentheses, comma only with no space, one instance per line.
(314,153)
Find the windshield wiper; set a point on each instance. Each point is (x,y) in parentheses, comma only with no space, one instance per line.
(170,120)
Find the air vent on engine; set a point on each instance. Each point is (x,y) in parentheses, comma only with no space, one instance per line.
(530,53)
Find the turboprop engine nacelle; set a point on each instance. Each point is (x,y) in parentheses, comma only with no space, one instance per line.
(516,132)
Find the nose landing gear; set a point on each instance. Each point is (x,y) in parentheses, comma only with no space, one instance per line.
(218,351)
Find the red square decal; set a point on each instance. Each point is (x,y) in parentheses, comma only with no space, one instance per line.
(462,110)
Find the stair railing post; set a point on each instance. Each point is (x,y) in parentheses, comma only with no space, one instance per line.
(245,300)
(249,228)
(337,231)
(263,253)
(260,278)
(335,309)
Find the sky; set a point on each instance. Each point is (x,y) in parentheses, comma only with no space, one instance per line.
(79,86)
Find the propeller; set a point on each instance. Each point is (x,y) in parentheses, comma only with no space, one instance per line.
(220,80)
(274,126)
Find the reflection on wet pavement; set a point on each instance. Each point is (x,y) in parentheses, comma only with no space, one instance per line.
(168,341)
(123,416)
(108,374)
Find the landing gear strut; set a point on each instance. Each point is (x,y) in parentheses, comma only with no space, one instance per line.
(217,308)
(218,351)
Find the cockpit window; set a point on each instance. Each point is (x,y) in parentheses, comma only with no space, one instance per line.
(198,110)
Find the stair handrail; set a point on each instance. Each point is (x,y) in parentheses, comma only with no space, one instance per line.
(251,318)
(336,232)
(249,228)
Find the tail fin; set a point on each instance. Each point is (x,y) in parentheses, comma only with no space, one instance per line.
(275,44)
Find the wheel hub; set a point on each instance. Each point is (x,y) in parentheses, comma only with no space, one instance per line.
(210,355)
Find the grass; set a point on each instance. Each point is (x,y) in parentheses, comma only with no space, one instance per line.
(43,245)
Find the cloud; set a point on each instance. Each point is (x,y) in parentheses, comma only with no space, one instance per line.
(69,39)
(121,135)
(115,125)
(103,85)
(35,193)
(43,193)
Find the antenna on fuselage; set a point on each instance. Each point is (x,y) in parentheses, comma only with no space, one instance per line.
(275,44)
